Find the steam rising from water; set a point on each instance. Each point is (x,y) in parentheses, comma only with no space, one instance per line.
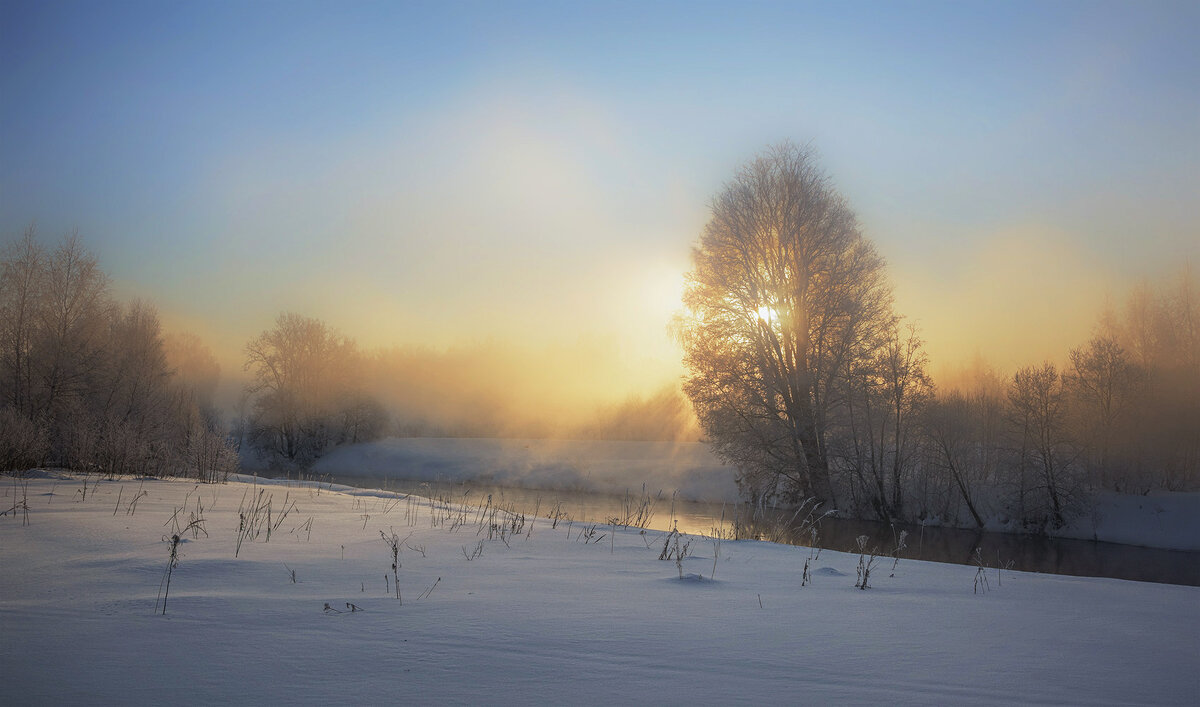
(688,468)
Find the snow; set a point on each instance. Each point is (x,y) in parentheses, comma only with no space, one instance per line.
(545,617)
(1165,520)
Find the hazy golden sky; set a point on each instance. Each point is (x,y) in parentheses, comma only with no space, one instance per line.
(535,174)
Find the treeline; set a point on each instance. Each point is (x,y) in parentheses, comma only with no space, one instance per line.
(314,389)
(493,389)
(806,380)
(1027,450)
(92,384)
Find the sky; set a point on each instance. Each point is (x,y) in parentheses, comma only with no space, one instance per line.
(535,174)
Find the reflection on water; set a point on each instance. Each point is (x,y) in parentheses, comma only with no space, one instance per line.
(1019,552)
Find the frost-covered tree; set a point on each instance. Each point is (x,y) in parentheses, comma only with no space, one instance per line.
(84,381)
(1103,382)
(784,297)
(878,439)
(1048,485)
(22,275)
(305,395)
(953,424)
(71,332)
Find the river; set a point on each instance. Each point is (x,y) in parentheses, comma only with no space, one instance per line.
(1027,553)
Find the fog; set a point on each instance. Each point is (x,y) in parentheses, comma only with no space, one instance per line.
(502,389)
(1020,296)
(1002,309)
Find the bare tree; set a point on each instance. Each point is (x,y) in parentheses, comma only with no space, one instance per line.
(361,418)
(1039,407)
(876,438)
(305,396)
(951,425)
(84,382)
(664,415)
(22,277)
(1139,327)
(128,397)
(137,387)
(73,320)
(195,371)
(907,389)
(785,294)
(1157,437)
(1103,382)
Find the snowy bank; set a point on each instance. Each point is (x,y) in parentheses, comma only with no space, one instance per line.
(569,613)
(1165,520)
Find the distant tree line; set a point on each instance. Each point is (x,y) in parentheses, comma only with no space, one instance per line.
(805,379)
(90,383)
(313,389)
(1122,415)
(93,384)
(494,389)
(665,415)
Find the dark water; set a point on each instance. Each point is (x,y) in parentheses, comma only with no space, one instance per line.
(1028,553)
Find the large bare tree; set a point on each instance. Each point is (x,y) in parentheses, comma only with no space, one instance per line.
(784,296)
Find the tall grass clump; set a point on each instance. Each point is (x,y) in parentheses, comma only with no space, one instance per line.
(258,518)
(20,504)
(674,549)
(394,543)
(164,585)
(981,581)
(768,524)
(866,562)
(637,511)
(901,545)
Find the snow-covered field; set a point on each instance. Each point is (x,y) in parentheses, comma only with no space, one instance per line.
(564,615)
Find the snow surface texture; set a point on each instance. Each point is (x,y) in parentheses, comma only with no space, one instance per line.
(553,616)
(1166,520)
(576,465)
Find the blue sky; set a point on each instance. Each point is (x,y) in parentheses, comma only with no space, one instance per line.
(537,172)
